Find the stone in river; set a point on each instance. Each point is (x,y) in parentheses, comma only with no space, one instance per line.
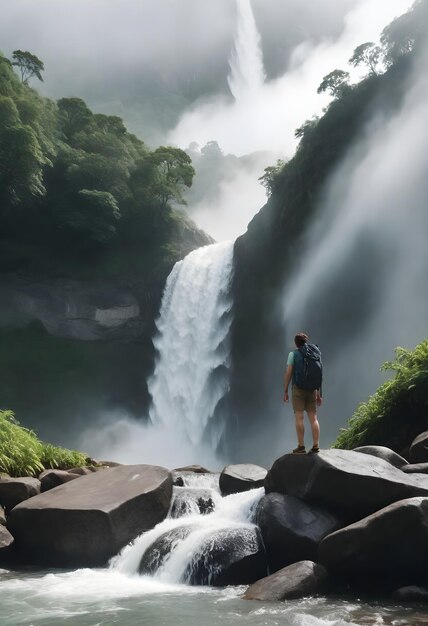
(298,580)
(243,477)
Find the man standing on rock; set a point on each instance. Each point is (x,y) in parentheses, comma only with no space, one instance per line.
(304,369)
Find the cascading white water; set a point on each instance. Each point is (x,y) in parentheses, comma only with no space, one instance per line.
(246,62)
(191,369)
(192,536)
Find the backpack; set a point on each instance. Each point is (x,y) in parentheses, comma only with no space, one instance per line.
(307,371)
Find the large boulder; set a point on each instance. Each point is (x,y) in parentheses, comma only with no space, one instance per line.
(52,478)
(416,468)
(229,556)
(162,548)
(243,477)
(387,549)
(16,490)
(85,522)
(304,578)
(418,451)
(381,452)
(346,482)
(291,529)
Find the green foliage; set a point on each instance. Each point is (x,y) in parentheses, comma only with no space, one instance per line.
(335,83)
(406,33)
(398,411)
(95,219)
(23,454)
(270,176)
(28,64)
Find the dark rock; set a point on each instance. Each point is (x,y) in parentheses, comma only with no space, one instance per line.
(349,483)
(237,478)
(187,501)
(386,549)
(2,516)
(411,594)
(196,469)
(304,578)
(85,522)
(178,481)
(418,451)
(231,556)
(6,541)
(381,452)
(16,490)
(83,471)
(156,555)
(416,468)
(291,529)
(52,478)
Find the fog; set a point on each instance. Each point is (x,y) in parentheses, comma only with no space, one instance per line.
(362,289)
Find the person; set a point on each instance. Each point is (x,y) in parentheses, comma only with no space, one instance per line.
(302,400)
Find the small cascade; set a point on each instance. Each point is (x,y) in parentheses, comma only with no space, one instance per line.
(198,547)
(191,374)
(246,62)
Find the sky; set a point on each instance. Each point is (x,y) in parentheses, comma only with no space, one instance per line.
(179,72)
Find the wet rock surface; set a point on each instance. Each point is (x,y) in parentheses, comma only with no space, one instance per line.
(304,578)
(241,477)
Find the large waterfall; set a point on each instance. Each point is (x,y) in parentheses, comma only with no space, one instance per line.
(192,344)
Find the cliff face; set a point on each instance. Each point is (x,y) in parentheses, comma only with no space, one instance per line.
(271,249)
(73,347)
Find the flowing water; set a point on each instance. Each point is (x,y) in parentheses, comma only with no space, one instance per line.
(191,374)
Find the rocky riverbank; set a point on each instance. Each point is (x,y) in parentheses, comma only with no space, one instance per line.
(335,522)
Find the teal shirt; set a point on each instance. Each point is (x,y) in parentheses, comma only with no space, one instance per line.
(290,360)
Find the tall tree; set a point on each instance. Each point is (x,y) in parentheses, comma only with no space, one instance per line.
(368,54)
(28,64)
(335,83)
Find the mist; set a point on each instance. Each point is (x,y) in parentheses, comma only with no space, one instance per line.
(362,290)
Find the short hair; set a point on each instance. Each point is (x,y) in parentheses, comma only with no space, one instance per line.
(300,339)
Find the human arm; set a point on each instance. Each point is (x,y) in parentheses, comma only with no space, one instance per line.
(287,378)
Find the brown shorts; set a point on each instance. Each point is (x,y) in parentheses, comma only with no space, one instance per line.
(303,399)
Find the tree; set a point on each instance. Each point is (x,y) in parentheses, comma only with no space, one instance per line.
(368,54)
(405,32)
(335,83)
(74,116)
(28,64)
(92,214)
(270,177)
(162,175)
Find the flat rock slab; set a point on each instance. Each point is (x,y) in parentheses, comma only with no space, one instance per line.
(304,578)
(243,477)
(344,481)
(384,453)
(15,490)
(85,522)
(386,549)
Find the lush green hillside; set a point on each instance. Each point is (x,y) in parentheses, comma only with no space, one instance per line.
(398,411)
(79,194)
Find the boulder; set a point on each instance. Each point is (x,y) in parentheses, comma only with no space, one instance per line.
(16,490)
(411,594)
(349,483)
(196,469)
(6,541)
(52,478)
(84,522)
(237,478)
(418,451)
(386,549)
(304,578)
(84,471)
(2,516)
(158,552)
(416,468)
(187,501)
(381,452)
(291,529)
(229,556)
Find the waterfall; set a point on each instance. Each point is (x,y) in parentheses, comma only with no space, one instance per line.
(174,550)
(191,374)
(246,62)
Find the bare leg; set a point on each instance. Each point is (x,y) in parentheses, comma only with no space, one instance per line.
(315,427)
(300,427)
